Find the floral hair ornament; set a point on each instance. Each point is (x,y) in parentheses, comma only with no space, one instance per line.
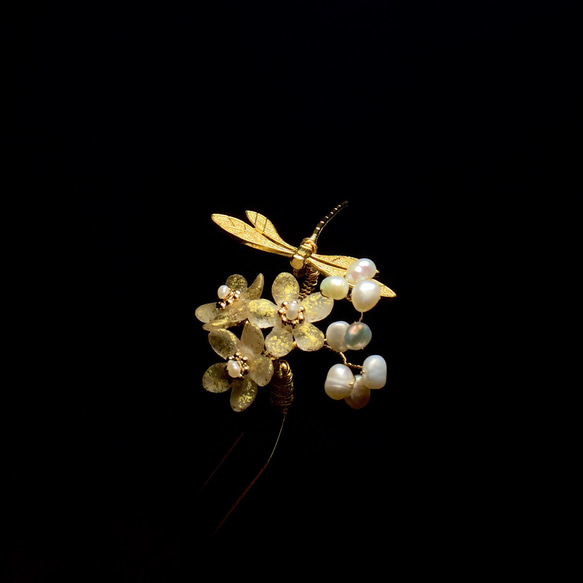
(254,360)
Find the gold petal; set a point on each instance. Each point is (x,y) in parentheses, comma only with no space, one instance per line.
(237,282)
(256,288)
(317,307)
(238,311)
(262,313)
(224,342)
(308,337)
(285,288)
(279,341)
(243,393)
(207,312)
(216,379)
(261,370)
(251,340)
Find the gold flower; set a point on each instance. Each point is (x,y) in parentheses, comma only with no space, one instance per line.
(246,367)
(232,306)
(290,317)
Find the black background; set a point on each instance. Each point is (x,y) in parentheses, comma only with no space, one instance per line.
(446,126)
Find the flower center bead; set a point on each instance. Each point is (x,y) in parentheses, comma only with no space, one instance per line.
(226,296)
(291,313)
(237,365)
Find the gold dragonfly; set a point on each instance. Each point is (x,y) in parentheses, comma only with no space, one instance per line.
(262,235)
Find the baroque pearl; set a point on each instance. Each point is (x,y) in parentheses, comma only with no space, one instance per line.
(365,295)
(339,382)
(335,336)
(223,292)
(357,336)
(360,270)
(234,369)
(334,287)
(375,372)
(359,395)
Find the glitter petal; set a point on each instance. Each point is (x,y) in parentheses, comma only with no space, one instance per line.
(224,342)
(285,288)
(255,289)
(279,341)
(308,337)
(216,378)
(261,370)
(243,393)
(317,307)
(207,312)
(237,282)
(251,340)
(262,313)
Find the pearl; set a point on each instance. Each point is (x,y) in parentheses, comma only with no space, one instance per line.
(365,295)
(292,310)
(234,369)
(357,336)
(360,270)
(375,372)
(334,287)
(339,382)
(335,335)
(223,292)
(359,395)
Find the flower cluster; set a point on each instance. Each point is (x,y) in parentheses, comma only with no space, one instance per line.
(249,361)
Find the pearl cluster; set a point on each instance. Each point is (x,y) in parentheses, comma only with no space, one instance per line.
(365,293)
(341,383)
(359,286)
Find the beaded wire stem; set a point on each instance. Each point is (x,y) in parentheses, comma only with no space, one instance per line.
(253,360)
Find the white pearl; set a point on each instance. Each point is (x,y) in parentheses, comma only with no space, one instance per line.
(359,395)
(335,335)
(360,270)
(334,287)
(234,369)
(375,372)
(339,382)
(365,295)
(292,310)
(357,336)
(223,292)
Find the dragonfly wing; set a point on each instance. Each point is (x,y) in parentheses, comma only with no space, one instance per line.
(265,227)
(248,235)
(331,264)
(337,264)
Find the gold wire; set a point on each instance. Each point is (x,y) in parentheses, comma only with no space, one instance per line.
(252,481)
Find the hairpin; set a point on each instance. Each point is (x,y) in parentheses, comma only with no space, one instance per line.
(251,359)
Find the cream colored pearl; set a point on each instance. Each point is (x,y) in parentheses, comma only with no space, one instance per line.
(336,334)
(365,295)
(234,369)
(357,336)
(334,287)
(292,310)
(360,270)
(375,372)
(339,382)
(223,292)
